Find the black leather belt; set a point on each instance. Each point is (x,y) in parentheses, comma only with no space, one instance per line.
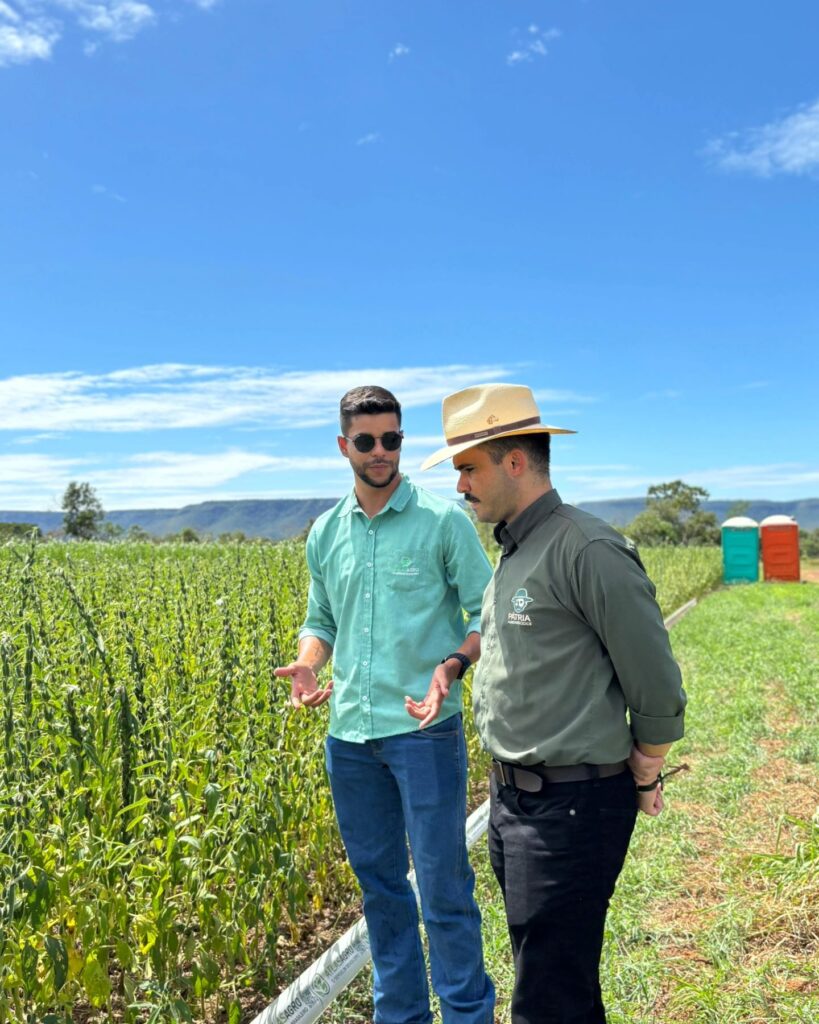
(534,777)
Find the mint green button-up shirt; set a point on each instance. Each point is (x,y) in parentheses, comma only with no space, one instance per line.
(392,596)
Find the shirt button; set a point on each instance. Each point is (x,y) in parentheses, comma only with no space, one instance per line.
(367,663)
(367,595)
(370,532)
(366,629)
(369,565)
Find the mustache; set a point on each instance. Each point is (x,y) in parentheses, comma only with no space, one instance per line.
(471,499)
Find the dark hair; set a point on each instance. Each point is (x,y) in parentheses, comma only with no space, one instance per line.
(367,401)
(536,447)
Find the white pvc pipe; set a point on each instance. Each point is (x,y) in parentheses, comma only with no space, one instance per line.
(311,993)
(675,617)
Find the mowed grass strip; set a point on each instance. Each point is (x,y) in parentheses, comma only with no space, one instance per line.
(716,916)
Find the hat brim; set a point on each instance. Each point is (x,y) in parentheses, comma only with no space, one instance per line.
(449,451)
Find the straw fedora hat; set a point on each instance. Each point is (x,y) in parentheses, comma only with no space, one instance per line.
(485,412)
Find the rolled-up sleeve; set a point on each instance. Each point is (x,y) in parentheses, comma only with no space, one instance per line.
(618,600)
(467,567)
(319,621)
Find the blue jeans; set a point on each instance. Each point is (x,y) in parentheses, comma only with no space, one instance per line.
(385,790)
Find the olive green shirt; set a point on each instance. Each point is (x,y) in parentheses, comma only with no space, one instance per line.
(575,659)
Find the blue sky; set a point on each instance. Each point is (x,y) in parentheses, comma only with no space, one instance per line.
(218,215)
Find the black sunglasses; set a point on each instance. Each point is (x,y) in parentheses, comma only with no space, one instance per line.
(391,441)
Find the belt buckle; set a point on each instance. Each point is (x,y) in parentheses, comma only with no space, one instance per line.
(504,772)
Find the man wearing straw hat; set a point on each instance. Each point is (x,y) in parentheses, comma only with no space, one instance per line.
(393,569)
(577,697)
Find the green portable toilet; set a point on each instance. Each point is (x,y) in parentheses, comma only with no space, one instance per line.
(740,550)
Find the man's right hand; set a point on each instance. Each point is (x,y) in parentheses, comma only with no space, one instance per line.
(304,687)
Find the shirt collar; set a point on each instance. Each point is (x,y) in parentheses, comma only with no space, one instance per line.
(511,535)
(397,500)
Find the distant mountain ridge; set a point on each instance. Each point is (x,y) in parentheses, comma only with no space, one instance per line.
(278,518)
(274,519)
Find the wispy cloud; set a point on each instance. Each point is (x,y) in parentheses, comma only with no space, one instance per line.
(178,396)
(150,479)
(25,36)
(368,140)
(664,394)
(118,20)
(550,397)
(579,484)
(787,146)
(30,29)
(102,190)
(747,479)
(530,44)
(162,472)
(399,50)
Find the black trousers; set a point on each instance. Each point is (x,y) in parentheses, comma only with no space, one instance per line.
(557,855)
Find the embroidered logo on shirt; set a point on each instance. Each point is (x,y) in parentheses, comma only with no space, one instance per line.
(520,602)
(405,566)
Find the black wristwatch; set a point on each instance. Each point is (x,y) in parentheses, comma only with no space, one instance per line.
(465,662)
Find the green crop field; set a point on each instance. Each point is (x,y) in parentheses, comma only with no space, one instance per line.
(165,824)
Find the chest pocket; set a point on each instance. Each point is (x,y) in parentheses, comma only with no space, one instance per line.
(406,569)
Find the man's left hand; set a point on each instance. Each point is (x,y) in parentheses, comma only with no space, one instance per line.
(427,709)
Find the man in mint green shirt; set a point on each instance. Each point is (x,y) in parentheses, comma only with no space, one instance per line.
(396,580)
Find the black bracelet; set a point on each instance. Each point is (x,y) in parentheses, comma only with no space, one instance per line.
(465,662)
(651,786)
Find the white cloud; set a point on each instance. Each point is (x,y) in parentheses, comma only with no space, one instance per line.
(787,146)
(428,441)
(29,29)
(169,479)
(118,19)
(722,482)
(34,481)
(399,50)
(664,394)
(102,190)
(553,396)
(25,37)
(151,479)
(750,478)
(531,44)
(175,396)
(367,140)
(159,472)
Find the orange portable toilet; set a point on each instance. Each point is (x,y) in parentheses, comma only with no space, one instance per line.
(780,548)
